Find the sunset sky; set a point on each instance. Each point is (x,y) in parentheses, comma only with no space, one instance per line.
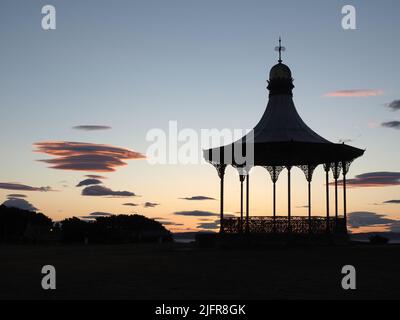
(84,96)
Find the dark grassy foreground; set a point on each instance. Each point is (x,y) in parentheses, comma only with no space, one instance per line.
(176,271)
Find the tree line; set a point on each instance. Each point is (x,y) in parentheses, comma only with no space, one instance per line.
(25,227)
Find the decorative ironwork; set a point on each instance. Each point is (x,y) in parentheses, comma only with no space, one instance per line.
(336,169)
(242,170)
(274,171)
(220,169)
(327,166)
(308,171)
(298,225)
(346,166)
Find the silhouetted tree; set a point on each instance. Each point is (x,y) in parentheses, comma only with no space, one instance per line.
(18,226)
(114,229)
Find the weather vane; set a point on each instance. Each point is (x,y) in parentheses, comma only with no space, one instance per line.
(280,49)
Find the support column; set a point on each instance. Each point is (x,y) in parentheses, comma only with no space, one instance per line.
(308,172)
(242,178)
(274,171)
(247,203)
(221,173)
(289,168)
(327,168)
(309,207)
(336,169)
(274,206)
(346,167)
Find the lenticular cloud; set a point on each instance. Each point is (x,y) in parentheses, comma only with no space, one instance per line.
(80,156)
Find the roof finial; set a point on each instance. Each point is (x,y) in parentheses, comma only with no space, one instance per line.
(280,49)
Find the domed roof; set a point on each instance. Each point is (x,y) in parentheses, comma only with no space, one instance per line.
(280,71)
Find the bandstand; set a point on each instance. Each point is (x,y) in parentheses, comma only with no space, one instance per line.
(281,141)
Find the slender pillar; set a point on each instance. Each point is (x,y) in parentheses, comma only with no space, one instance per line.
(274,205)
(327,197)
(242,177)
(308,171)
(222,205)
(345,167)
(309,206)
(336,200)
(247,203)
(289,200)
(274,172)
(221,173)
(344,199)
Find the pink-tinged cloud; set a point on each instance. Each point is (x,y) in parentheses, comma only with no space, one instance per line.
(355,93)
(373,179)
(80,156)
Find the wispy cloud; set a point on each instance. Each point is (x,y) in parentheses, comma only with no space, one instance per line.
(392,202)
(354,93)
(92,216)
(196,213)
(130,204)
(150,204)
(82,156)
(89,182)
(197,198)
(169,223)
(22,187)
(394,105)
(391,124)
(95,176)
(102,191)
(374,179)
(91,127)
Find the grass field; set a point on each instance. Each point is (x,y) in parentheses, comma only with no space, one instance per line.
(176,271)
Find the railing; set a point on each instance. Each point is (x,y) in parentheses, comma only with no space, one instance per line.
(298,225)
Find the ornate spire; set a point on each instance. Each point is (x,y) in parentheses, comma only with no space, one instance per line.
(280,49)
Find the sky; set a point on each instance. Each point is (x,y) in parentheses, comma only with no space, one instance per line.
(84,97)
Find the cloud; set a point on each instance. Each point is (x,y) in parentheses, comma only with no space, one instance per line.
(22,187)
(366,219)
(129,204)
(170,223)
(393,201)
(91,127)
(16,195)
(196,213)
(20,204)
(355,93)
(81,156)
(391,124)
(100,214)
(197,198)
(100,191)
(373,179)
(95,176)
(394,105)
(208,225)
(89,182)
(92,216)
(150,204)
